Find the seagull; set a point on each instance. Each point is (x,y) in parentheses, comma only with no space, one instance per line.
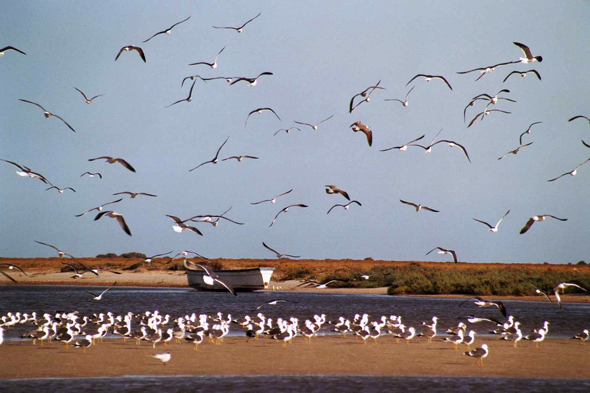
(344,206)
(112,160)
(478,353)
(528,130)
(130,48)
(77,274)
(91,174)
(88,100)
(134,194)
(485,113)
(285,210)
(149,259)
(251,81)
(318,285)
(585,144)
(25,171)
(493,228)
(405,146)
(358,126)
(515,151)
(239,158)
(60,190)
(579,117)
(493,100)
(215,159)
(184,254)
(11,266)
(164,357)
(60,253)
(315,127)
(539,292)
(98,208)
(335,190)
(238,29)
(180,226)
(419,207)
(445,251)
(6,48)
(429,78)
(366,94)
(187,99)
(213,218)
(272,200)
(259,111)
(168,30)
(527,52)
(99,297)
(572,173)
(532,220)
(450,143)
(273,303)
(118,216)
(479,302)
(279,255)
(405,101)
(583,337)
(48,114)
(522,74)
(210,278)
(563,286)
(428,149)
(212,65)
(486,70)
(287,130)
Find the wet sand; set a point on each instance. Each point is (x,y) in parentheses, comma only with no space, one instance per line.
(326,355)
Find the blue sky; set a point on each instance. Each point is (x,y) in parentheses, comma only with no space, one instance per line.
(321,54)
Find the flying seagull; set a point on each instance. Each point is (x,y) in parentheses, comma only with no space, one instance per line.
(181,226)
(259,111)
(579,117)
(315,127)
(445,251)
(484,114)
(451,144)
(251,81)
(239,158)
(48,114)
(59,252)
(98,208)
(60,190)
(532,220)
(539,292)
(212,65)
(99,296)
(130,48)
(168,30)
(287,130)
(563,286)
(344,206)
(272,200)
(215,159)
(571,173)
(212,219)
(528,130)
(279,255)
(25,171)
(272,303)
(112,160)
(493,228)
(479,302)
(405,101)
(187,99)
(88,100)
(11,266)
(522,74)
(91,174)
(404,147)
(358,126)
(238,29)
(134,194)
(365,94)
(118,216)
(529,58)
(285,210)
(515,151)
(419,207)
(7,48)
(429,78)
(485,70)
(77,273)
(210,278)
(330,189)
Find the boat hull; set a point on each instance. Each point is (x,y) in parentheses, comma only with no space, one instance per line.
(240,280)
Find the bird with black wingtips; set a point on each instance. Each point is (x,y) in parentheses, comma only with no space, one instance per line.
(278,254)
(251,81)
(313,126)
(181,226)
(287,130)
(113,160)
(272,200)
(134,195)
(60,190)
(539,292)
(285,210)
(522,74)
(515,151)
(485,113)
(528,131)
(187,99)
(562,286)
(365,94)
(78,273)
(331,189)
(571,173)
(273,302)
(118,216)
(344,206)
(418,206)
(7,48)
(210,278)
(529,58)
(405,102)
(129,48)
(445,251)
(168,30)
(429,78)
(12,266)
(493,228)
(60,253)
(240,158)
(88,100)
(478,353)
(90,174)
(212,65)
(358,126)
(259,111)
(479,302)
(48,114)
(448,142)
(579,117)
(99,296)
(215,159)
(540,217)
(27,172)
(239,29)
(485,70)
(99,208)
(404,147)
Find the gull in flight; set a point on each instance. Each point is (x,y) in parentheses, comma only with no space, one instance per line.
(539,292)
(11,266)
(251,81)
(278,254)
(60,190)
(485,70)
(522,74)
(259,111)
(493,228)
(25,171)
(7,48)
(130,48)
(287,130)
(88,100)
(344,206)
(285,210)
(529,58)
(429,78)
(450,143)
(238,29)
(272,200)
(99,296)
(571,173)
(563,286)
(479,302)
(515,151)
(358,126)
(187,99)
(404,147)
(365,94)
(419,207)
(212,65)
(579,117)
(405,101)
(335,190)
(91,174)
(210,278)
(77,273)
(134,194)
(112,160)
(119,217)
(528,130)
(532,220)
(315,127)
(98,208)
(273,303)
(181,226)
(59,252)
(484,114)
(48,114)
(445,251)
(239,158)
(215,159)
(168,30)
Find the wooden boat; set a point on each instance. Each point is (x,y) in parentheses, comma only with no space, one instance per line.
(239,279)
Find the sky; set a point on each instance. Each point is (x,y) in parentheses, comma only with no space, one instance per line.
(321,54)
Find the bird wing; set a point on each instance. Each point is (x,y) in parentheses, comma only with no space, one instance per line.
(7,276)
(15,164)
(241,27)
(409,203)
(220,147)
(417,76)
(267,247)
(529,223)
(429,209)
(484,223)
(334,207)
(325,120)
(572,119)
(48,245)
(34,103)
(81,92)
(123,224)
(99,215)
(227,286)
(525,49)
(125,164)
(558,177)
(140,51)
(557,218)
(305,124)
(146,194)
(13,48)
(475,118)
(200,165)
(14,267)
(444,80)
(110,203)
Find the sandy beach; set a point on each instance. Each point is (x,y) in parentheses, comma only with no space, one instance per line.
(327,355)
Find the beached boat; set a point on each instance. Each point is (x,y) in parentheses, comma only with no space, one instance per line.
(239,279)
